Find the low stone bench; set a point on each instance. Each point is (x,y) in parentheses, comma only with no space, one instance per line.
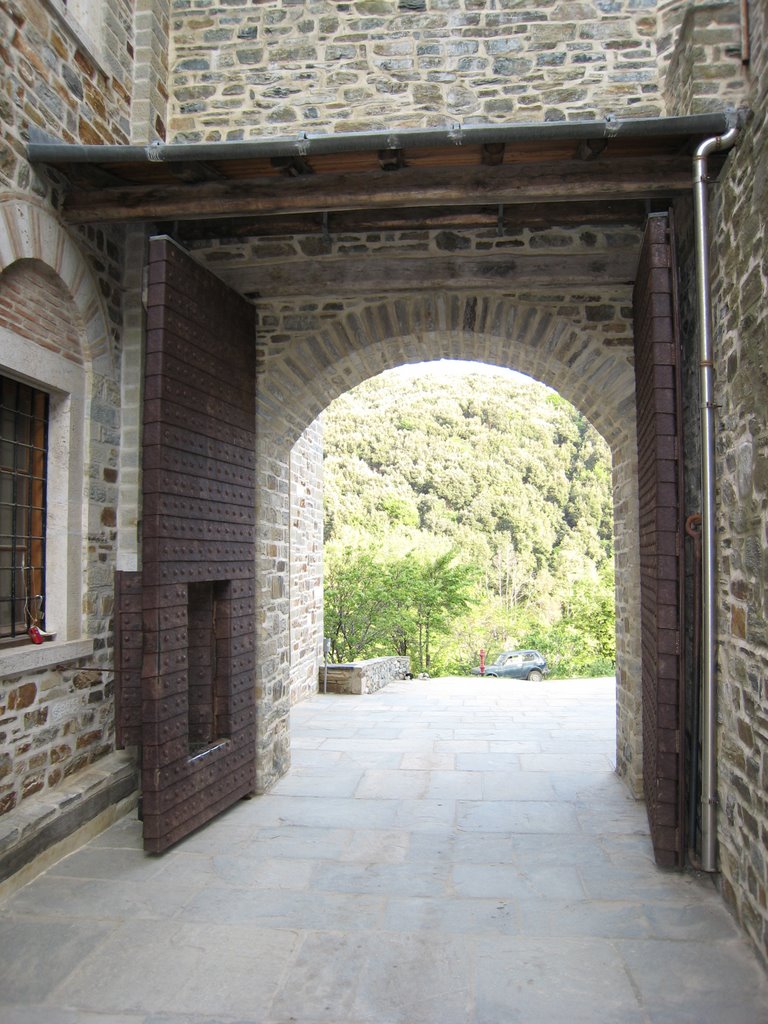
(364,676)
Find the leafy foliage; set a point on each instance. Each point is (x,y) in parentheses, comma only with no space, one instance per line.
(401,605)
(466,513)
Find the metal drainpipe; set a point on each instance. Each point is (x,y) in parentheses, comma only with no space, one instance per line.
(708,567)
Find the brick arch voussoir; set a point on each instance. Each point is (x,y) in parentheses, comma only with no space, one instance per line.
(30,232)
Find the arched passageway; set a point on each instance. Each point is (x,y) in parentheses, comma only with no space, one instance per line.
(581,345)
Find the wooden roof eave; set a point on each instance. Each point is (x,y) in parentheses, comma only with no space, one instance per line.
(561,162)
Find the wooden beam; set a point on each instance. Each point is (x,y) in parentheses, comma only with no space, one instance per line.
(192,171)
(535,217)
(601,179)
(377,274)
(391,159)
(493,154)
(291,166)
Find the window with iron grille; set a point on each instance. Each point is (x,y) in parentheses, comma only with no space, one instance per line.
(23,468)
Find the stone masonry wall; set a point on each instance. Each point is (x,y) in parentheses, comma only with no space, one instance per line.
(149,101)
(739,224)
(700,56)
(705,69)
(55,720)
(273,613)
(290,266)
(54,78)
(52,726)
(306,568)
(63,291)
(282,67)
(55,81)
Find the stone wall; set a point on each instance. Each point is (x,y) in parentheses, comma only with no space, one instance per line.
(61,79)
(739,224)
(361,677)
(273,614)
(705,71)
(334,261)
(56,712)
(306,568)
(54,723)
(149,101)
(60,320)
(700,46)
(282,67)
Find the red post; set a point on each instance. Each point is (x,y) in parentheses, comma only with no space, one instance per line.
(482,663)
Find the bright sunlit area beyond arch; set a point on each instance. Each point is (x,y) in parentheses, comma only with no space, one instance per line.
(467,508)
(446,369)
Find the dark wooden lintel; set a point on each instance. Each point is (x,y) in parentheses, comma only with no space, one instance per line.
(192,171)
(292,166)
(92,176)
(590,149)
(570,181)
(391,159)
(376,274)
(533,217)
(493,154)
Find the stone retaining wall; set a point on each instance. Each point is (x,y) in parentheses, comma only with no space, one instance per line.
(363,676)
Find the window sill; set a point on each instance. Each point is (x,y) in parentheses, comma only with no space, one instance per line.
(15,660)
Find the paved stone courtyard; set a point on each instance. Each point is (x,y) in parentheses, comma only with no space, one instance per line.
(454,851)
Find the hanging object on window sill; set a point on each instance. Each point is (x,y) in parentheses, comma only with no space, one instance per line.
(39,636)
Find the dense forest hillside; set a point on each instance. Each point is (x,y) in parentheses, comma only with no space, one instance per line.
(500,484)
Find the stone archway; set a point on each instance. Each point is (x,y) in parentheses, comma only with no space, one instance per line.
(580,345)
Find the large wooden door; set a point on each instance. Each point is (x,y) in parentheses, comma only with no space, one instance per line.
(660,471)
(185,622)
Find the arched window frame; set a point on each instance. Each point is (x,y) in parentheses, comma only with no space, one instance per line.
(65,383)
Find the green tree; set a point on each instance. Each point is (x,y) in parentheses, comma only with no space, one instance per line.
(435,592)
(359,604)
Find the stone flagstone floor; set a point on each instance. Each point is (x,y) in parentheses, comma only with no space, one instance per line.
(443,852)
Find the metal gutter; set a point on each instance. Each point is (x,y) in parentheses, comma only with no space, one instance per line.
(708,551)
(42,148)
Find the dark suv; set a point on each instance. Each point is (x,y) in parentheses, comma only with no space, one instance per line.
(517,665)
